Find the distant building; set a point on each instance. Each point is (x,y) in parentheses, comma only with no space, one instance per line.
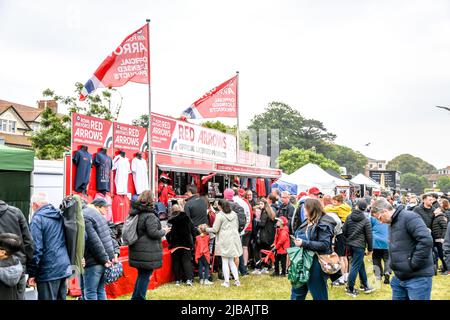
(373,164)
(18,121)
(434,177)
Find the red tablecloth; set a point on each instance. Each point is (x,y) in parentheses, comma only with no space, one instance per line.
(125,284)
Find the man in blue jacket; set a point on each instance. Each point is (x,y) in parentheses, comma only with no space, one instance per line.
(50,266)
(410,251)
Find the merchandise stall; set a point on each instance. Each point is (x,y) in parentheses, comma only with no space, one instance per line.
(110,160)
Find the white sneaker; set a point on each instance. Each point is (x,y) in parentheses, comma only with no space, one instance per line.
(256,272)
(237,283)
(207,282)
(202,281)
(178,283)
(189,283)
(226,284)
(264,271)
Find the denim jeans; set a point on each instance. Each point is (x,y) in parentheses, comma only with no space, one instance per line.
(317,284)
(52,290)
(357,267)
(242,268)
(203,268)
(141,285)
(413,289)
(94,283)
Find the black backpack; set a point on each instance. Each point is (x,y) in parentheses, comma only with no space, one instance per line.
(241,215)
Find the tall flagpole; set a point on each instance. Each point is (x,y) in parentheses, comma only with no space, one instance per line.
(150,156)
(237,114)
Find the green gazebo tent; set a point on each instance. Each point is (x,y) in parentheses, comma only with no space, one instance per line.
(16,166)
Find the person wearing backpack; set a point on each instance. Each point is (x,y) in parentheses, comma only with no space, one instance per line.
(12,220)
(99,252)
(145,253)
(315,235)
(357,231)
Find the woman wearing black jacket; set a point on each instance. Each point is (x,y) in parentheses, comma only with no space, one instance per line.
(438,230)
(266,233)
(314,234)
(181,242)
(146,253)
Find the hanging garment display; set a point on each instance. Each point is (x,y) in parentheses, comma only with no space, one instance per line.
(140,174)
(268,183)
(103,163)
(120,208)
(83,161)
(252,184)
(244,183)
(165,192)
(261,187)
(121,165)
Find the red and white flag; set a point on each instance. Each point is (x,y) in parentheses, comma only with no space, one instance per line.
(129,62)
(219,102)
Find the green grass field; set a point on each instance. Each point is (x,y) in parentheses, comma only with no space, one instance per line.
(264,287)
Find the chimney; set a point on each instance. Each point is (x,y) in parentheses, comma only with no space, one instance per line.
(52,104)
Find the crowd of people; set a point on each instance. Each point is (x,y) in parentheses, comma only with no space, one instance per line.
(405,237)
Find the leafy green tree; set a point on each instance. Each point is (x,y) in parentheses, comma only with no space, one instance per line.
(413,182)
(443,184)
(295,158)
(142,121)
(354,161)
(406,163)
(53,137)
(294,129)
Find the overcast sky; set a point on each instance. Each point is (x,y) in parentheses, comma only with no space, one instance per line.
(371,71)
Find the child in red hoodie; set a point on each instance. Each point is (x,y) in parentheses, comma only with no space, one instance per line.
(202,256)
(280,244)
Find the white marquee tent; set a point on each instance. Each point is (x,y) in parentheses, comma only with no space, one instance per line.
(311,175)
(368,182)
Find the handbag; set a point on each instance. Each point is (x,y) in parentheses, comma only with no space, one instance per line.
(329,263)
(113,273)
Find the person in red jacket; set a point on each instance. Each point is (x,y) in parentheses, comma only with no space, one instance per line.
(280,244)
(165,190)
(203,257)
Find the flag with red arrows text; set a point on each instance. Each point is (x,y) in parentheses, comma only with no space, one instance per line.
(219,102)
(128,62)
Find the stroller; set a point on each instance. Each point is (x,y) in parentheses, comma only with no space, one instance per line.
(268,259)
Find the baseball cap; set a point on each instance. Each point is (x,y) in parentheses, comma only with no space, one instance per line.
(241,192)
(362,204)
(314,190)
(228,194)
(283,219)
(99,202)
(301,195)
